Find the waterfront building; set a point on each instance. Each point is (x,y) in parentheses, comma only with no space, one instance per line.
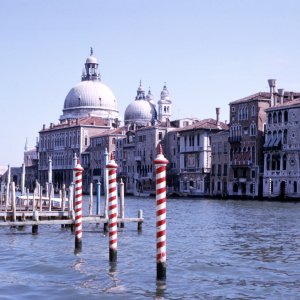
(107,141)
(219,164)
(89,109)
(246,137)
(195,155)
(282,148)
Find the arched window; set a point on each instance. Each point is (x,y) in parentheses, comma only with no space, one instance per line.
(274,117)
(295,187)
(270,118)
(113,141)
(253,111)
(253,154)
(280,117)
(268,162)
(246,113)
(235,187)
(285,117)
(285,136)
(284,162)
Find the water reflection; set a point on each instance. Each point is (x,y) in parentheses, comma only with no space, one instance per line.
(160,290)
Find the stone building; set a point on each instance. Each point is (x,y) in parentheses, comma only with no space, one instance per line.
(282,148)
(219,163)
(246,137)
(195,155)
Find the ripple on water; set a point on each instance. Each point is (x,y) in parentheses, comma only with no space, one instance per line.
(215,250)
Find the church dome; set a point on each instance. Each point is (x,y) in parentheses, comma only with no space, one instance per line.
(140,111)
(90,97)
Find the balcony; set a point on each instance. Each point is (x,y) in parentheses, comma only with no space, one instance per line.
(234,139)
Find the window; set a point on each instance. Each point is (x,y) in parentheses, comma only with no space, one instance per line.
(253,111)
(225,170)
(160,135)
(232,109)
(219,170)
(253,174)
(212,170)
(295,186)
(285,117)
(85,140)
(235,174)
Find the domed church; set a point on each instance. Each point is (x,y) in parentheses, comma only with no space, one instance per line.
(141,111)
(90,97)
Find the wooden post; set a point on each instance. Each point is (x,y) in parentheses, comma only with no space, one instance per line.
(33,202)
(51,188)
(161,254)
(23,180)
(112,209)
(41,198)
(91,199)
(71,196)
(35,228)
(63,197)
(98,198)
(122,206)
(27,196)
(13,201)
(78,206)
(140,223)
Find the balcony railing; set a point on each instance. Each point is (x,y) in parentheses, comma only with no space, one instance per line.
(234,139)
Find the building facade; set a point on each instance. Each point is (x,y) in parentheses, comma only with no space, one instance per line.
(219,164)
(282,150)
(246,138)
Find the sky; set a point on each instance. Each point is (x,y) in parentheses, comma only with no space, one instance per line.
(209,53)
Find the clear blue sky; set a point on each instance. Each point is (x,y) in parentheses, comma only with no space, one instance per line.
(209,53)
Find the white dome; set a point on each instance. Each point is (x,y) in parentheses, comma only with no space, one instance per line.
(140,112)
(90,97)
(91,60)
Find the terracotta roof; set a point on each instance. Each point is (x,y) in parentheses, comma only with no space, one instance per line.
(286,104)
(114,131)
(87,121)
(205,124)
(257,96)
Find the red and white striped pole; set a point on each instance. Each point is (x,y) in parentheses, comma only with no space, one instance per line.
(78,169)
(161,255)
(112,209)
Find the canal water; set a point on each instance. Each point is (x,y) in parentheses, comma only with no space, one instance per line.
(216,249)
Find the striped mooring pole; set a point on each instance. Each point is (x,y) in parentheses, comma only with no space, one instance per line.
(112,209)
(161,255)
(78,169)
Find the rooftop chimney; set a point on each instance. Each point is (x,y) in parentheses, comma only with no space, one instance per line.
(218,115)
(281,94)
(44,126)
(272,84)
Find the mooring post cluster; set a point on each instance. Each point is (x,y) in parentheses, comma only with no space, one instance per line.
(161,255)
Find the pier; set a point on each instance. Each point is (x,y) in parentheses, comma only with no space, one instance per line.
(35,210)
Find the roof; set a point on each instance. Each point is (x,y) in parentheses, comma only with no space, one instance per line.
(87,121)
(3,169)
(257,96)
(114,131)
(287,104)
(209,124)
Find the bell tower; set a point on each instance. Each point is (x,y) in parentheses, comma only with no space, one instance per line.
(164,105)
